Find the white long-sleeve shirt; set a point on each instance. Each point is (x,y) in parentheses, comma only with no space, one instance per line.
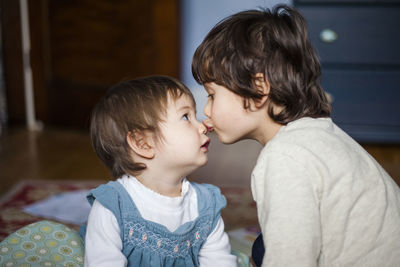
(103,244)
(322,200)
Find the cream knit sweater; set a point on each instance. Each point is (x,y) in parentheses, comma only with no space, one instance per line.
(322,200)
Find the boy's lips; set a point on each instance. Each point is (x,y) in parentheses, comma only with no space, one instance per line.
(208,124)
(206,144)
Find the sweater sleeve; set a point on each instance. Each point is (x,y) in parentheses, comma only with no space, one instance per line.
(288,212)
(103,245)
(216,251)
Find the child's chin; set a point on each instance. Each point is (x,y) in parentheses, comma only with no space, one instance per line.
(225,140)
(204,162)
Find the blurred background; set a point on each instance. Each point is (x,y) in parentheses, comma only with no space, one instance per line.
(58,58)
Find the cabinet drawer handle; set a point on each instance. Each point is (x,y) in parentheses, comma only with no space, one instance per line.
(328,36)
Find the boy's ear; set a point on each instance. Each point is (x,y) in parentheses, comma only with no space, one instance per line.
(262,85)
(142,143)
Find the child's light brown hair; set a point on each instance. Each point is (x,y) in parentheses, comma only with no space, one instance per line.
(137,105)
(273,43)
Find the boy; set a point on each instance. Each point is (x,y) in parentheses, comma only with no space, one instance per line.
(322,200)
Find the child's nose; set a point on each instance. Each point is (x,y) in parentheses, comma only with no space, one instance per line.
(207,109)
(208,125)
(202,128)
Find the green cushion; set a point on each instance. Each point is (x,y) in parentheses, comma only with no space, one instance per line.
(43,243)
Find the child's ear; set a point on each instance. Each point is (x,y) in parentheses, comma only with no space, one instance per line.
(142,143)
(262,85)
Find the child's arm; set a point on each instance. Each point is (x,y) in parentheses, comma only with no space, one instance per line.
(216,251)
(288,212)
(103,243)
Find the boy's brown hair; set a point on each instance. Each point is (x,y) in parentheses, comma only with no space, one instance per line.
(273,43)
(129,107)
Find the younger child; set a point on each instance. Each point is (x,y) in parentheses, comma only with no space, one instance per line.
(322,200)
(146,132)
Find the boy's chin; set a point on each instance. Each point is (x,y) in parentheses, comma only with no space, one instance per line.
(226,139)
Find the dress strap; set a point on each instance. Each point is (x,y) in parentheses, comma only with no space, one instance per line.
(115,198)
(209,200)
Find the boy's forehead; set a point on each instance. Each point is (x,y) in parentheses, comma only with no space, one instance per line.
(207,85)
(210,86)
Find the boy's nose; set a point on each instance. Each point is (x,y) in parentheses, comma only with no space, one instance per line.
(207,109)
(207,123)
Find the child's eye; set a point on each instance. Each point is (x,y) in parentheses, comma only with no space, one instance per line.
(211,96)
(185,117)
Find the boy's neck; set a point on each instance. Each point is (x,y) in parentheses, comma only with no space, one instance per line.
(269,131)
(266,128)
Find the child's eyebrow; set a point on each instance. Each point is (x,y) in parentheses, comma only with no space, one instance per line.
(185,108)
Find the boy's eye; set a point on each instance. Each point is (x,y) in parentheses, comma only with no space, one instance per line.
(211,96)
(185,117)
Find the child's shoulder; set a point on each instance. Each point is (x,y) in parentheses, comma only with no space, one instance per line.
(110,195)
(306,132)
(207,190)
(205,187)
(208,195)
(111,188)
(310,142)
(305,138)
(308,126)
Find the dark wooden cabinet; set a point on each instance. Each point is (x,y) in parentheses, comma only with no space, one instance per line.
(80,48)
(359,46)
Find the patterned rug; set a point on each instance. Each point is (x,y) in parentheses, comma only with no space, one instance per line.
(27,192)
(240,211)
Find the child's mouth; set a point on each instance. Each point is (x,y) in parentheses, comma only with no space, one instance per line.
(206,144)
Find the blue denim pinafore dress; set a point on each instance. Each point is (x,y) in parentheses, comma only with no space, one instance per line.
(147,243)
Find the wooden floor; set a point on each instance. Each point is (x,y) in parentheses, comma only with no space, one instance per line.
(52,154)
(67,155)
